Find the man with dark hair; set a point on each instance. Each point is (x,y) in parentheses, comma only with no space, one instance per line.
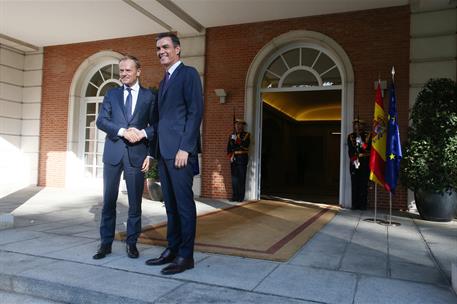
(125,117)
(177,117)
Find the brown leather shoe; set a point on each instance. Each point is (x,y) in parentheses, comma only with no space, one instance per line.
(166,257)
(178,265)
(102,251)
(132,251)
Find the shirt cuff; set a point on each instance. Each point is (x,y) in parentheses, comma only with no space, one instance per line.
(144,132)
(121,131)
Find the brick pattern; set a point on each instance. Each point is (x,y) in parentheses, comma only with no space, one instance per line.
(375,40)
(60,65)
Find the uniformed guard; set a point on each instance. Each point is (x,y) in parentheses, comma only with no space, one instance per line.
(359,146)
(238,153)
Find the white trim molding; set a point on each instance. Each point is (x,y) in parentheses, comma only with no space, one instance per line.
(253,109)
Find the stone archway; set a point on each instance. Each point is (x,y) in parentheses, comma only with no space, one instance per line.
(253,103)
(74,159)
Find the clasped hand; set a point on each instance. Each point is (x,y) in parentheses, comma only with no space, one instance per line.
(133,135)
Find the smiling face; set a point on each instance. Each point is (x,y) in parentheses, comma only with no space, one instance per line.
(129,72)
(168,54)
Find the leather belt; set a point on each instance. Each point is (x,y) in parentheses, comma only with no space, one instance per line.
(240,152)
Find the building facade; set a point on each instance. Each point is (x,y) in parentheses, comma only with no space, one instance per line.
(269,70)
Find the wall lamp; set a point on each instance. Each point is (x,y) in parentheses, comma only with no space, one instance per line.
(221,94)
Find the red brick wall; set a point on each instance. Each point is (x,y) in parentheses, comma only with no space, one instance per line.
(60,65)
(375,40)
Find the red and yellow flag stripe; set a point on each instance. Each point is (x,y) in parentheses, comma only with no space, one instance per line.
(378,147)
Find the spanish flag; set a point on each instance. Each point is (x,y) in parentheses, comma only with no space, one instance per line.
(378,147)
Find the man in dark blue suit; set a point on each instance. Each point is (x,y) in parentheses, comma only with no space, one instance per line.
(125,117)
(176,119)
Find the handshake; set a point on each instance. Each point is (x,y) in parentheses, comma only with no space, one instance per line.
(133,135)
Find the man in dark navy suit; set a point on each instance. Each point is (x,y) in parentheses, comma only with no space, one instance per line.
(125,117)
(176,119)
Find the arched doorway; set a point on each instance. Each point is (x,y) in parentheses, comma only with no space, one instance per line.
(300,131)
(254,101)
(94,77)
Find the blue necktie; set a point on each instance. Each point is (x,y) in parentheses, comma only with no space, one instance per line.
(165,82)
(167,77)
(128,104)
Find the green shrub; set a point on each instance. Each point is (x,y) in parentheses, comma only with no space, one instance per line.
(430,157)
(153,171)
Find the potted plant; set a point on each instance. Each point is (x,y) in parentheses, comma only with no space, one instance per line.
(153,183)
(429,165)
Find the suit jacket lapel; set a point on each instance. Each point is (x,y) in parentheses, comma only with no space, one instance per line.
(120,98)
(138,102)
(170,81)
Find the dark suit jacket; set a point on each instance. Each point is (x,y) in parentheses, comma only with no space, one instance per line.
(112,118)
(178,113)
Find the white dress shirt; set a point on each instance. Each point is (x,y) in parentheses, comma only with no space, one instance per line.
(135,89)
(173,67)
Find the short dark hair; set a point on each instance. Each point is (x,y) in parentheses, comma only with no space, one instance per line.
(172,36)
(131,57)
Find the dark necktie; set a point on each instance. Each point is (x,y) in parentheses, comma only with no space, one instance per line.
(166,79)
(128,104)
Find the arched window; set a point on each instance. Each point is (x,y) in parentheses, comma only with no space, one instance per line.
(301,68)
(101,81)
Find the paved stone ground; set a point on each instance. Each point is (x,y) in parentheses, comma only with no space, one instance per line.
(48,254)
(14,298)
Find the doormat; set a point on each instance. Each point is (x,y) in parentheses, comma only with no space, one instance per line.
(264,229)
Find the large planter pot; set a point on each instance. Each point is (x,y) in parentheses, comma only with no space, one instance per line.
(154,189)
(436,206)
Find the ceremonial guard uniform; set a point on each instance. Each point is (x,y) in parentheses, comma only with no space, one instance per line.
(237,150)
(359,146)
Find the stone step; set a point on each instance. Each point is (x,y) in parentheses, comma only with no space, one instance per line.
(62,293)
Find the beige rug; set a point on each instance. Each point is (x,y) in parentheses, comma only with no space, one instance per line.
(264,229)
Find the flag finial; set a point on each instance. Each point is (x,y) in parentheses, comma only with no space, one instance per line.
(393,73)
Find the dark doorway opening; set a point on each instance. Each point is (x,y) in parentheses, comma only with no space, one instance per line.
(301,145)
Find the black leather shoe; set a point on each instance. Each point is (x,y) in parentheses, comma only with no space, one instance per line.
(178,265)
(132,251)
(166,257)
(102,251)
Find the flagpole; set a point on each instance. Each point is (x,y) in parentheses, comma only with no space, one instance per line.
(378,146)
(390,208)
(375,201)
(390,223)
(390,193)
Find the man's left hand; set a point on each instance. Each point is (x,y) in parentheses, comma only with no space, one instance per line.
(145,166)
(181,159)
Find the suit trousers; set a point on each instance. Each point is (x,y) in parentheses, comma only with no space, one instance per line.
(238,170)
(180,205)
(134,179)
(359,184)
